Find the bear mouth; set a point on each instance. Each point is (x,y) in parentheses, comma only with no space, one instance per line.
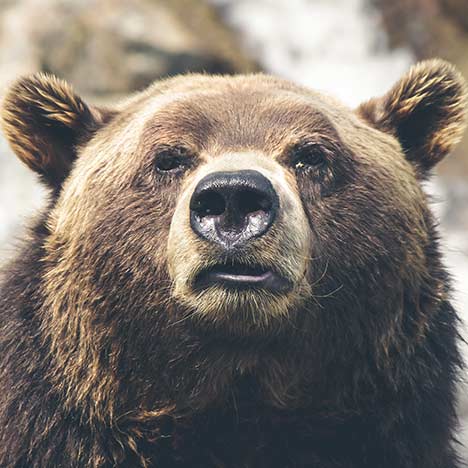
(239,277)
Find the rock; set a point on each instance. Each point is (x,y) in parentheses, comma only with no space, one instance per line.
(114,47)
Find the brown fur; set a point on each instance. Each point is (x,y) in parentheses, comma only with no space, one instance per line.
(132,367)
(426,110)
(44,120)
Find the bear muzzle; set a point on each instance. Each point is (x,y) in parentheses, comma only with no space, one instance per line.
(229,209)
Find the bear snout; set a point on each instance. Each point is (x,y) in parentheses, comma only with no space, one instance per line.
(232,208)
(239,239)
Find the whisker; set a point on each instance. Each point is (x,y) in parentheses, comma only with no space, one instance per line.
(330,294)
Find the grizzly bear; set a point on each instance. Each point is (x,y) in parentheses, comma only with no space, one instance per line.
(231,272)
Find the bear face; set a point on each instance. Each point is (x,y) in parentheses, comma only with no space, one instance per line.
(339,181)
(212,228)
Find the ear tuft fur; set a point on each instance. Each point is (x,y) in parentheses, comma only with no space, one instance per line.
(425,110)
(44,121)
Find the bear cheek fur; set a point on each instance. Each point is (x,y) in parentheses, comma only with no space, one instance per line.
(286,246)
(105,257)
(370,233)
(380,210)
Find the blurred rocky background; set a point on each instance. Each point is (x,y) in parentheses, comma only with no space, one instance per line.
(353,49)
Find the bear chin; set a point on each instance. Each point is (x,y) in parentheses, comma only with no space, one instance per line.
(245,311)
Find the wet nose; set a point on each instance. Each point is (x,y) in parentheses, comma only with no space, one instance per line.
(231,208)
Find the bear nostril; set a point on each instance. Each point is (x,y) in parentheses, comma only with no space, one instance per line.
(209,203)
(252,201)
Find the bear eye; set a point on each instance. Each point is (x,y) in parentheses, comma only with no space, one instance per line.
(172,161)
(307,156)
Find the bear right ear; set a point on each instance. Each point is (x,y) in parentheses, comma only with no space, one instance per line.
(45,121)
(425,110)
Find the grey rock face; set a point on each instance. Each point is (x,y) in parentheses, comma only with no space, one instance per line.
(114,47)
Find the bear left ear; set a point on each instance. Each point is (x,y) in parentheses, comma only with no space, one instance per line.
(45,121)
(425,110)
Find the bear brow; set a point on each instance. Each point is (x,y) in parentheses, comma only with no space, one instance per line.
(231,121)
(188,127)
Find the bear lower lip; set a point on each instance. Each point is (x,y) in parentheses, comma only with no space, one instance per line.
(241,277)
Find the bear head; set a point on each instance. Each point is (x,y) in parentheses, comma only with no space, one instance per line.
(213,226)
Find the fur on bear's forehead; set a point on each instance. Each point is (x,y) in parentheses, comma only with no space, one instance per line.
(255,111)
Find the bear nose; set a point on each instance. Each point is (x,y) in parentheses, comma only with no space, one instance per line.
(230,208)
